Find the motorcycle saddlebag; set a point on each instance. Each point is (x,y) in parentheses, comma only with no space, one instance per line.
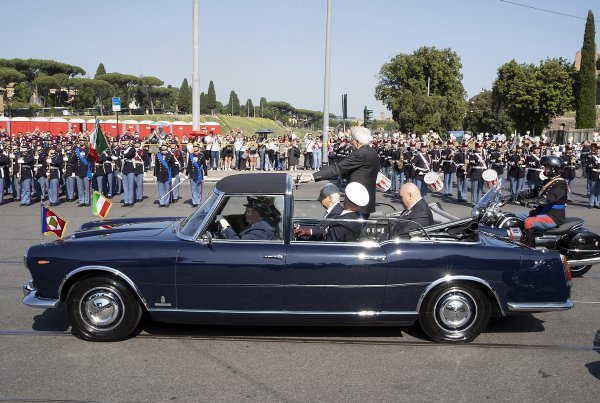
(579,245)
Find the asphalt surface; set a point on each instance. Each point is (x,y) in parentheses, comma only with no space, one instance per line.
(543,357)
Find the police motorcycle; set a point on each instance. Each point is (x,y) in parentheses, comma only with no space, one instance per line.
(571,239)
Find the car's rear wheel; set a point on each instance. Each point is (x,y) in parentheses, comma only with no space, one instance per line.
(102,309)
(455,313)
(578,271)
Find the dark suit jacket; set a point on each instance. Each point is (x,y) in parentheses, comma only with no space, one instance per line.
(318,232)
(259,230)
(345,231)
(420,213)
(361,166)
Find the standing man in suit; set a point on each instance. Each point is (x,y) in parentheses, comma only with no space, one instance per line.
(329,197)
(361,166)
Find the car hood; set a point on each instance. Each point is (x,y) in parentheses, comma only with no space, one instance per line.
(124,228)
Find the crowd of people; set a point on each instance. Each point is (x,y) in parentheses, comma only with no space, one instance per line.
(39,165)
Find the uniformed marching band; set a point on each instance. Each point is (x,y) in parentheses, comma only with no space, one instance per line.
(38,166)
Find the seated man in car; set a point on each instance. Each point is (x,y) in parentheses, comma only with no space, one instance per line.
(416,210)
(348,226)
(261,216)
(329,197)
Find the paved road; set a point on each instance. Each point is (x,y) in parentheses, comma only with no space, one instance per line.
(543,357)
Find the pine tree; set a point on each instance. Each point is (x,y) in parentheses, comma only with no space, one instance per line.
(184,100)
(100,70)
(211,98)
(203,103)
(249,108)
(233,107)
(585,117)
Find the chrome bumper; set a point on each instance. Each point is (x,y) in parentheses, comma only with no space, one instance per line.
(33,300)
(584,262)
(539,306)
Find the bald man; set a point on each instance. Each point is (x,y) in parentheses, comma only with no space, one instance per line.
(416,208)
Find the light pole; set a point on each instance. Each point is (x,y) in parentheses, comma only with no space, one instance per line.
(324,153)
(196,71)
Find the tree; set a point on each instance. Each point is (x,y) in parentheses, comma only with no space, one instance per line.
(145,93)
(233,106)
(249,108)
(203,109)
(211,98)
(263,104)
(100,70)
(585,116)
(10,75)
(123,85)
(403,88)
(184,99)
(483,115)
(533,95)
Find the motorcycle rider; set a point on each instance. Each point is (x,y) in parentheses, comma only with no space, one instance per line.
(549,198)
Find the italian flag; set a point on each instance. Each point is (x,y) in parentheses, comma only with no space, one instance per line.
(100,205)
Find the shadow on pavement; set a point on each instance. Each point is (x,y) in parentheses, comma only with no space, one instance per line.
(54,320)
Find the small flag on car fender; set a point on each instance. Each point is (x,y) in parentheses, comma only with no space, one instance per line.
(52,223)
(100,205)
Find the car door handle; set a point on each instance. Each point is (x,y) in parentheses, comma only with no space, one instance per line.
(273,257)
(375,258)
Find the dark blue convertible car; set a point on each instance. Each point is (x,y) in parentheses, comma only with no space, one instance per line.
(449,277)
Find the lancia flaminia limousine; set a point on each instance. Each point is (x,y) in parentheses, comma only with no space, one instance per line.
(449,277)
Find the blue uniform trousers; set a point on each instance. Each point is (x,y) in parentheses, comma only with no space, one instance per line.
(128,187)
(83,189)
(196,186)
(164,197)
(53,191)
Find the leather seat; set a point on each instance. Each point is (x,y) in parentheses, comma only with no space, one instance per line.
(564,228)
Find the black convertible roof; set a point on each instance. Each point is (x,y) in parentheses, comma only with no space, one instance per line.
(259,183)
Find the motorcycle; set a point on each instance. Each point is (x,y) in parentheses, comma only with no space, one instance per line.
(571,239)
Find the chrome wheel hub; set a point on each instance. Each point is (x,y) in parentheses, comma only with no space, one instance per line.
(455,310)
(102,308)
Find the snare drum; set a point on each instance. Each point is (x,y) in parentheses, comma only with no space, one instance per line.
(433,181)
(490,177)
(383,182)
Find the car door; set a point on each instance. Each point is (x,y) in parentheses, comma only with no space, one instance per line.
(231,274)
(330,277)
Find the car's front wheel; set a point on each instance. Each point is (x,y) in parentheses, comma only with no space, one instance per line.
(455,313)
(102,309)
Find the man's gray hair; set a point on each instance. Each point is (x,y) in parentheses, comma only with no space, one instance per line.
(362,135)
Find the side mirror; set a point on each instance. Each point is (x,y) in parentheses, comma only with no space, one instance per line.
(206,239)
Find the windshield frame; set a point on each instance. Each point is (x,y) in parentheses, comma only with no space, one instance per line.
(218,196)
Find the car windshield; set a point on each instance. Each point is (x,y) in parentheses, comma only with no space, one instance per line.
(491,196)
(190,225)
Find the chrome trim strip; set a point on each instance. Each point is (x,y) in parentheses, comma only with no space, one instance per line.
(110,270)
(584,250)
(365,313)
(593,260)
(34,301)
(449,279)
(539,306)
